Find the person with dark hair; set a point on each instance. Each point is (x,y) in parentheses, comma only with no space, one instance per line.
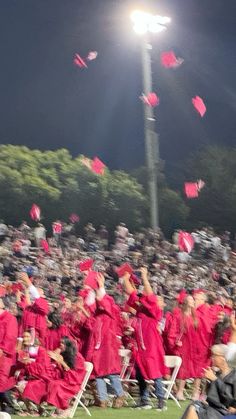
(71,365)
(55,331)
(55,376)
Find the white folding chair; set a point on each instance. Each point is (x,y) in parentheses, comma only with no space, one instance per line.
(125,355)
(175,363)
(77,400)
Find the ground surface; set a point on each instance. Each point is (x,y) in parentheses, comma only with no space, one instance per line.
(173,412)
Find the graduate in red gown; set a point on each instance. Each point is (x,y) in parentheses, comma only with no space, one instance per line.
(149,357)
(104,347)
(55,376)
(204,338)
(56,330)
(182,341)
(8,339)
(34,315)
(34,369)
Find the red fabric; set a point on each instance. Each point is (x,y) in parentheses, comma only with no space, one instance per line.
(61,391)
(150,352)
(57,228)
(74,218)
(169,60)
(199,105)
(191,190)
(182,329)
(45,245)
(151,99)
(121,271)
(91,280)
(97,166)
(85,265)
(39,374)
(79,61)
(53,337)
(35,212)
(8,338)
(165,333)
(185,241)
(204,339)
(34,316)
(104,345)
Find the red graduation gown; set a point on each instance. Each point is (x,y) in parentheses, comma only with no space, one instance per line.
(60,391)
(150,352)
(8,338)
(53,337)
(104,345)
(204,339)
(34,316)
(182,329)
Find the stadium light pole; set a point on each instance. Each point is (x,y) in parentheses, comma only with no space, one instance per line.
(143,24)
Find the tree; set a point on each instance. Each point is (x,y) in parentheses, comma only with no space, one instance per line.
(61,185)
(216,204)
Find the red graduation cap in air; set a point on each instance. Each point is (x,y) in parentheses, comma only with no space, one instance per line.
(199,105)
(191,189)
(35,212)
(97,166)
(185,241)
(78,60)
(91,280)
(200,184)
(151,99)
(169,60)
(85,265)
(74,218)
(121,271)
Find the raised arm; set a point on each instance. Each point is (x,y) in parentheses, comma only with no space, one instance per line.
(146,283)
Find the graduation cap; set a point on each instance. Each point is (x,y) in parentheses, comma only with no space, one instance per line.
(169,60)
(199,105)
(35,212)
(191,189)
(78,61)
(151,99)
(74,218)
(121,271)
(185,241)
(91,280)
(85,265)
(92,55)
(97,166)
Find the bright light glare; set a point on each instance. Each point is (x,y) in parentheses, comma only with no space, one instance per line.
(137,16)
(144,22)
(156,28)
(140,28)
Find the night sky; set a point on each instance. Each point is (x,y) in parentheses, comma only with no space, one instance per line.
(48,103)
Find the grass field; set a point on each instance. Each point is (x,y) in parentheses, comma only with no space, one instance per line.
(172,412)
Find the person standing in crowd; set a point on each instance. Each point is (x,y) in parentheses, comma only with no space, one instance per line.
(39,234)
(149,359)
(182,341)
(104,347)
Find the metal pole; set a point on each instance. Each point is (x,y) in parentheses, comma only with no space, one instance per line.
(151,137)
